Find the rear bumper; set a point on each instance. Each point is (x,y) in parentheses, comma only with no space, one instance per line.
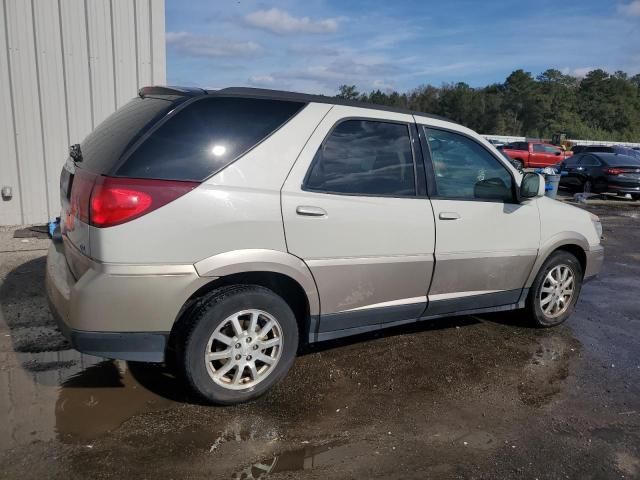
(118,311)
(624,187)
(132,346)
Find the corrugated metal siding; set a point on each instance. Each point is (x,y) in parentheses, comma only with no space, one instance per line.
(65,65)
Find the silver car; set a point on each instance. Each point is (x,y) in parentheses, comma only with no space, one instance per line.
(220,230)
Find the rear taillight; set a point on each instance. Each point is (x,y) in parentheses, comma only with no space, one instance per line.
(108,201)
(81,187)
(612,171)
(118,200)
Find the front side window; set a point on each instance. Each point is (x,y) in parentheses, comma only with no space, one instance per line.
(465,170)
(364,157)
(551,150)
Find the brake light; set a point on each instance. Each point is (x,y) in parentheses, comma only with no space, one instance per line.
(613,171)
(118,200)
(81,187)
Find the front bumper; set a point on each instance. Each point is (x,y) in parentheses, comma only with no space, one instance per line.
(118,311)
(595,259)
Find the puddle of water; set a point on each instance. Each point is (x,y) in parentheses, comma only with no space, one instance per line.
(72,397)
(305,458)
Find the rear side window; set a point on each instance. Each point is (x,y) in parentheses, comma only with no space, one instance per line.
(520,146)
(364,157)
(206,136)
(538,148)
(573,160)
(589,161)
(103,147)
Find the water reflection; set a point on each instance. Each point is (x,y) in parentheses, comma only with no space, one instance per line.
(305,458)
(74,397)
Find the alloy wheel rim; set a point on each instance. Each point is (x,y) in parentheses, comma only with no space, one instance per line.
(557,290)
(244,349)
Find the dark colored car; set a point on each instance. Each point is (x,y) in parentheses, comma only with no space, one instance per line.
(620,150)
(601,172)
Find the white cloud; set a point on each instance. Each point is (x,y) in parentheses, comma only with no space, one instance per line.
(278,21)
(208,46)
(579,72)
(262,80)
(632,9)
(383,85)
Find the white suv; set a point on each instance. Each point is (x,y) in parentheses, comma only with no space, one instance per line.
(218,230)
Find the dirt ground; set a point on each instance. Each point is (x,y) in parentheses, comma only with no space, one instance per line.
(469,397)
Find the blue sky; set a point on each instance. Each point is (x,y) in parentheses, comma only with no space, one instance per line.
(316,45)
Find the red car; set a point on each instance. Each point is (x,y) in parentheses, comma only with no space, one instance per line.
(534,154)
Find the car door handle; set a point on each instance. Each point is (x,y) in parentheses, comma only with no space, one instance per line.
(449,216)
(307,211)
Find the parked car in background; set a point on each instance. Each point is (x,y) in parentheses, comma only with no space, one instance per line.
(601,172)
(495,143)
(632,152)
(516,165)
(534,154)
(218,231)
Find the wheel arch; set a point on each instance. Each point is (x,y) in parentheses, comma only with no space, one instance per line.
(284,274)
(572,242)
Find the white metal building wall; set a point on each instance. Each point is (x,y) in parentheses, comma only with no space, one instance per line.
(64,66)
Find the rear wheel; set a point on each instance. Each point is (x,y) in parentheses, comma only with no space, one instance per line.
(238,344)
(554,293)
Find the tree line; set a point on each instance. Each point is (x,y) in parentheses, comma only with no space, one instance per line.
(599,106)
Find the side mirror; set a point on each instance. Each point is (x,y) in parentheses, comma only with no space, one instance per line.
(557,153)
(532,185)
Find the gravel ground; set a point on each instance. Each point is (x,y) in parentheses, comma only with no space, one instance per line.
(467,397)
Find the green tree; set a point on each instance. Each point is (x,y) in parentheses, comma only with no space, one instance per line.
(599,106)
(348,92)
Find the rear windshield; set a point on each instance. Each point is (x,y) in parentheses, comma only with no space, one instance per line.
(600,149)
(206,136)
(102,149)
(622,161)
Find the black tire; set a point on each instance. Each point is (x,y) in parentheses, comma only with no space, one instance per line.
(518,164)
(533,307)
(208,315)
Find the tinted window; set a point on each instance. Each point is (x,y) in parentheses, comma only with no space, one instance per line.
(551,150)
(206,136)
(465,170)
(364,157)
(538,148)
(589,161)
(600,149)
(519,146)
(103,147)
(622,161)
(572,161)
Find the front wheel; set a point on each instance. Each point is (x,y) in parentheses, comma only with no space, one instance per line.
(238,344)
(554,293)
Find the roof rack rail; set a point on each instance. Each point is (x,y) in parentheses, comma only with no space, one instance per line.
(168,90)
